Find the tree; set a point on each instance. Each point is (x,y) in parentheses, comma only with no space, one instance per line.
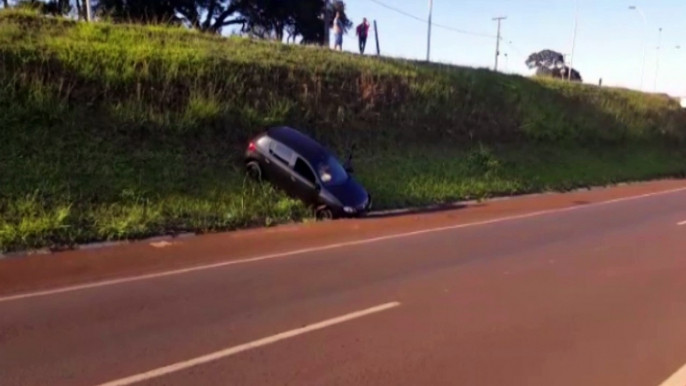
(551,64)
(210,15)
(576,76)
(274,19)
(6,4)
(138,11)
(267,18)
(80,9)
(204,15)
(559,73)
(51,7)
(339,7)
(57,7)
(546,58)
(309,22)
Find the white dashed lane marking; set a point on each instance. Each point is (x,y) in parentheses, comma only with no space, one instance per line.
(173,368)
(678,379)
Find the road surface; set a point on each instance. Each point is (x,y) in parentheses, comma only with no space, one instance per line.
(586,288)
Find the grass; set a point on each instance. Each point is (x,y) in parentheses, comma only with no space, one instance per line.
(116,131)
(419,177)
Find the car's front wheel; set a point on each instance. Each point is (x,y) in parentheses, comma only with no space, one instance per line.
(254,170)
(324,214)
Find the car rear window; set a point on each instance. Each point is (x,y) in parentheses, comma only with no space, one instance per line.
(281,152)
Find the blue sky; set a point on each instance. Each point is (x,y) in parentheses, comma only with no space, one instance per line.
(609,41)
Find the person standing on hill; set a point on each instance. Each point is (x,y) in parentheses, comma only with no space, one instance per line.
(338,32)
(362,33)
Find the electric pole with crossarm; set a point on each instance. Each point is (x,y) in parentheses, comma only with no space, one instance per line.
(497,42)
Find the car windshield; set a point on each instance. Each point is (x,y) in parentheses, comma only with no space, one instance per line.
(331,172)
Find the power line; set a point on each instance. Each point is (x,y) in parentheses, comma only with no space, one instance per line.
(509,43)
(456,30)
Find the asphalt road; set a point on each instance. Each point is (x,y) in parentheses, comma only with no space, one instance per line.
(592,292)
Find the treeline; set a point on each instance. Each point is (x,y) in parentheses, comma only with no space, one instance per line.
(301,21)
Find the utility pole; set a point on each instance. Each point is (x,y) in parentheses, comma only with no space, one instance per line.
(497,41)
(428,38)
(645,39)
(571,57)
(88,10)
(657,58)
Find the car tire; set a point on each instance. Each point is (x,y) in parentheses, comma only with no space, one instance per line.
(324,214)
(254,170)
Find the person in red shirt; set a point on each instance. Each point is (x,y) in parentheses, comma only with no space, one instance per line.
(362,33)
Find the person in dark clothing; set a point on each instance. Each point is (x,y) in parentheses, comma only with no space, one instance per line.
(362,33)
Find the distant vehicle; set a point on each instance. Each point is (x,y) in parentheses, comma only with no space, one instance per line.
(306,170)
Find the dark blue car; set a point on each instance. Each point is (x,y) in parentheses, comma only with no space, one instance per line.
(306,170)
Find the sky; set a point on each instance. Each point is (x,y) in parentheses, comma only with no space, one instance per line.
(609,41)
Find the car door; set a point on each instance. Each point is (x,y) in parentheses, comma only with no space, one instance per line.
(305,183)
(280,171)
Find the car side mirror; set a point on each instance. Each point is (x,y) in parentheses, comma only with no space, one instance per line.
(317,187)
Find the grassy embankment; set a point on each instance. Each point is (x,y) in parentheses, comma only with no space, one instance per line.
(111,132)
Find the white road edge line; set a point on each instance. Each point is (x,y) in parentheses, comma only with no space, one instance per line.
(677,379)
(105,283)
(245,347)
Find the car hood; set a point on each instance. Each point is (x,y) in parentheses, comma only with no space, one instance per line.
(349,193)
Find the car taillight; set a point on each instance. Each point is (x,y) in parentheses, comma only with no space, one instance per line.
(251,146)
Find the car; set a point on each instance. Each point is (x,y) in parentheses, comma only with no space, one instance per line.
(306,170)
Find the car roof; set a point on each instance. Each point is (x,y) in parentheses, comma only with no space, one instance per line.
(307,147)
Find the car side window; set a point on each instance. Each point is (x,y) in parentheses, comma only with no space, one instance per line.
(303,170)
(281,152)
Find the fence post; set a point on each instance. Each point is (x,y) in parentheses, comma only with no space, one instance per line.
(376,38)
(88,10)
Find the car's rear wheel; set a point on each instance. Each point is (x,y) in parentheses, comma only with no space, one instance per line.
(325,214)
(254,170)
